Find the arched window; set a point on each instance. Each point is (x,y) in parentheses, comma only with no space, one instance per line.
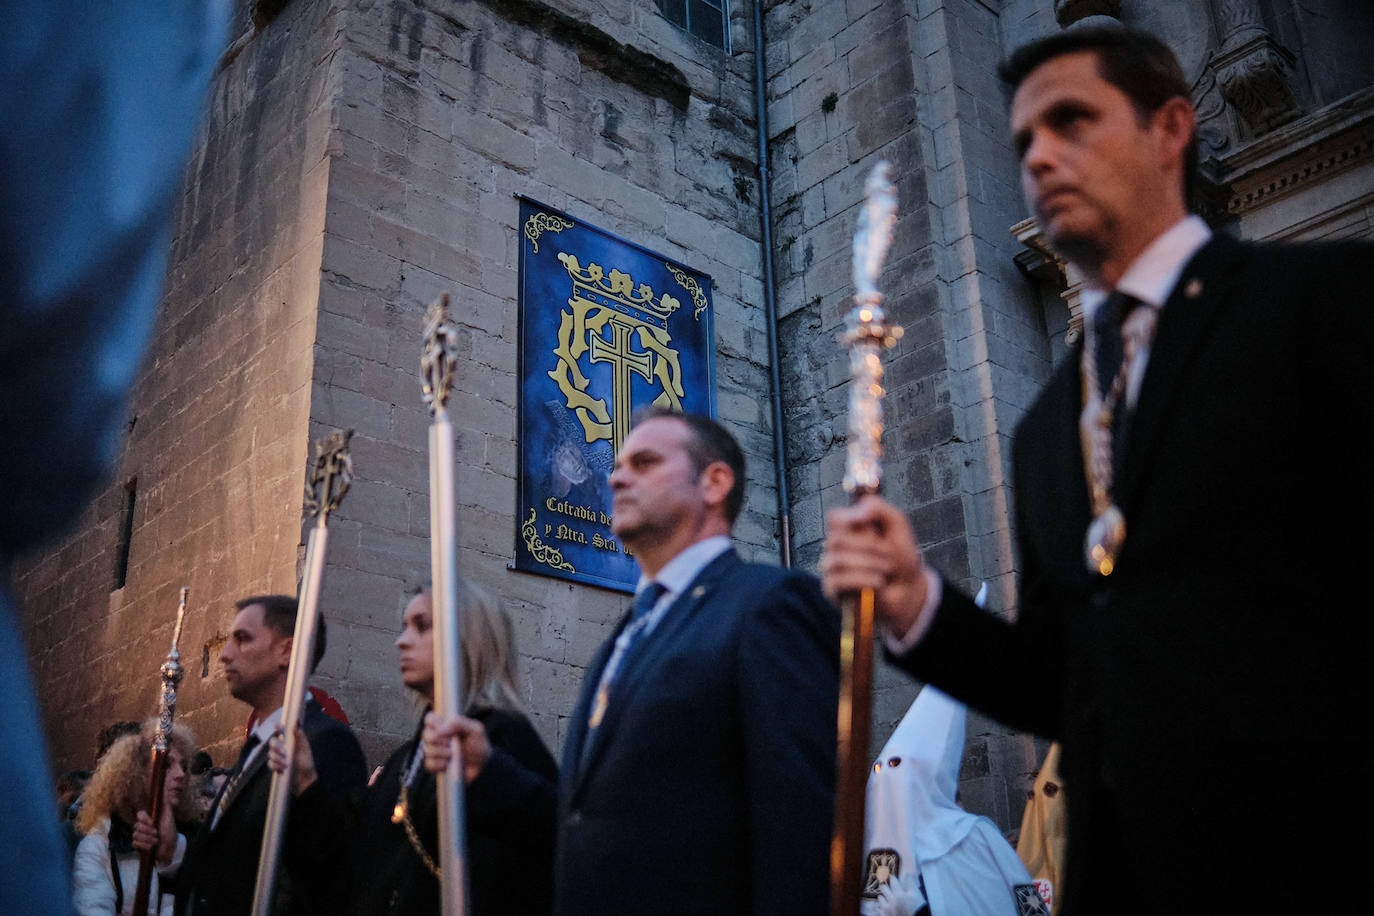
(706,19)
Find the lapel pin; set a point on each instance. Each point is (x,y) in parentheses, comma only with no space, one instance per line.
(698,591)
(1193,289)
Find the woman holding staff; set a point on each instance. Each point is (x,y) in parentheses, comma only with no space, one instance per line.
(511,782)
(116,829)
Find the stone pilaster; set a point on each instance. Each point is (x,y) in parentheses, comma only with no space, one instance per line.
(1254,71)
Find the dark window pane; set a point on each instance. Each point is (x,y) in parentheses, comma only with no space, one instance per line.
(708,22)
(126,535)
(675,11)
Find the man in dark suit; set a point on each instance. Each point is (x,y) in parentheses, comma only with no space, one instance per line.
(698,770)
(1182,588)
(220,872)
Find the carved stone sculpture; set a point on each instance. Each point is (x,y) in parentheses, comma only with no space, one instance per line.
(1067,12)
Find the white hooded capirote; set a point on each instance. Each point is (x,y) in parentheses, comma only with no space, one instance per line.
(921,846)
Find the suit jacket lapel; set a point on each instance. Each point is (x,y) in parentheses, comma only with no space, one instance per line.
(250,773)
(1203,291)
(577,728)
(642,663)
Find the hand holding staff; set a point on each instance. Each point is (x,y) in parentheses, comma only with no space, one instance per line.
(329,481)
(867,334)
(171,677)
(437,364)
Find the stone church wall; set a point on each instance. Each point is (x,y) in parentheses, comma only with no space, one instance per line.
(216,445)
(359,158)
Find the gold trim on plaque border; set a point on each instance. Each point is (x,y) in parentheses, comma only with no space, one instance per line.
(689,283)
(540,223)
(549,556)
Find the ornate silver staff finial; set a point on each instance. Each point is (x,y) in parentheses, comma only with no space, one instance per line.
(877,217)
(867,333)
(331,475)
(439,356)
(171,677)
(171,674)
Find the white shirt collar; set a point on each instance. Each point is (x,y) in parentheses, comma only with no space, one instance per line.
(1152,276)
(679,572)
(263,730)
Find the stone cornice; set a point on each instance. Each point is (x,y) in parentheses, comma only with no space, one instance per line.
(1040,262)
(1298,153)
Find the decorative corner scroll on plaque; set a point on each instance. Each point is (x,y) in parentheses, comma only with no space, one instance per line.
(540,223)
(693,288)
(549,556)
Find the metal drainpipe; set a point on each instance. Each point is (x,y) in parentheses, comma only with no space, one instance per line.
(770,292)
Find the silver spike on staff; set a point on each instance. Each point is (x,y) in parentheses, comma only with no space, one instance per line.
(867,333)
(437,364)
(325,489)
(171,675)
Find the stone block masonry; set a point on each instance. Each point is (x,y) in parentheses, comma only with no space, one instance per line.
(358,160)
(216,450)
(904,82)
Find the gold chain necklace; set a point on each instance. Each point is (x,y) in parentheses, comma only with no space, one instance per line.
(401,813)
(1106,533)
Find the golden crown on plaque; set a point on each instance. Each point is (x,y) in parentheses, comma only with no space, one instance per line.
(617,291)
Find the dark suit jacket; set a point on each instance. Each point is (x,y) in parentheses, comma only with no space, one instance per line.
(510,809)
(1202,691)
(221,867)
(709,785)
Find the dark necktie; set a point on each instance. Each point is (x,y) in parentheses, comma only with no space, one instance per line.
(235,774)
(645,600)
(631,636)
(1107,332)
(639,620)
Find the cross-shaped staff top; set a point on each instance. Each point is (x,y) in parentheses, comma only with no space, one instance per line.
(439,356)
(331,475)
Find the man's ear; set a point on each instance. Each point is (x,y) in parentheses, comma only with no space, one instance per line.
(716,483)
(282,647)
(1176,121)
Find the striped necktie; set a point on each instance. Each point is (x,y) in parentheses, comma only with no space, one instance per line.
(640,615)
(234,776)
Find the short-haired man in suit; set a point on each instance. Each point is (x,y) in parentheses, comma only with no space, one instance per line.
(1184,589)
(698,770)
(220,872)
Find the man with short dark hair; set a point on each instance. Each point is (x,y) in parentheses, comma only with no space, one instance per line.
(1183,568)
(698,770)
(221,867)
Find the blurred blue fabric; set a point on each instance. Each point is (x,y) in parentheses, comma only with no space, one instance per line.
(100,100)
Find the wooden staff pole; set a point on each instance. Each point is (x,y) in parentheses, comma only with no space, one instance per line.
(171,675)
(866,335)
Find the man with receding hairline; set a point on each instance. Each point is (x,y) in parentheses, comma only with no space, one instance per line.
(1188,500)
(698,769)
